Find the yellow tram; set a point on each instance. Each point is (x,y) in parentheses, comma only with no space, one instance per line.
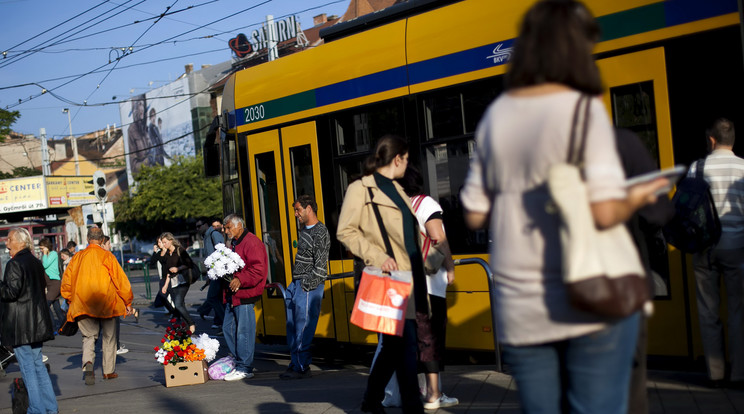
(427,70)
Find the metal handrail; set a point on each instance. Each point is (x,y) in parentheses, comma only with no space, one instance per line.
(465,261)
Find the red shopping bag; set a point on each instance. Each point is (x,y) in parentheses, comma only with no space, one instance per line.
(381,303)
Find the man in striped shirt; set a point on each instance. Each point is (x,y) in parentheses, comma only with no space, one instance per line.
(304,295)
(724,172)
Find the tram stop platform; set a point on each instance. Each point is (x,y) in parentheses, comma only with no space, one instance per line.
(336,385)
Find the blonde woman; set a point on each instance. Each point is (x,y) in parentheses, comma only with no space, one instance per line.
(176,263)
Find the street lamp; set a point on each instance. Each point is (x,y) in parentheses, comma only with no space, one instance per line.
(74,142)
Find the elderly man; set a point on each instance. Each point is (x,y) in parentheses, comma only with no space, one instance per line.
(26,321)
(98,291)
(244,290)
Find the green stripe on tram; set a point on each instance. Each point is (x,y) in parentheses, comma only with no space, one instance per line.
(634,21)
(278,107)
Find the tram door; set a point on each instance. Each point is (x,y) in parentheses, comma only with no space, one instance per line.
(637,99)
(284,165)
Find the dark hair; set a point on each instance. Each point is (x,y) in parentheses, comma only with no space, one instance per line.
(46,242)
(71,245)
(412,181)
(555,45)
(65,251)
(305,200)
(722,131)
(387,148)
(105,239)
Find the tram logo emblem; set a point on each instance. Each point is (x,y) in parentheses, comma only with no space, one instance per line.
(499,55)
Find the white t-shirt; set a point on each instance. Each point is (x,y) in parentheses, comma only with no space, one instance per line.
(436,284)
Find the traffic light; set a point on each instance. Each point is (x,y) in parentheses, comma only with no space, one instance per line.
(99,185)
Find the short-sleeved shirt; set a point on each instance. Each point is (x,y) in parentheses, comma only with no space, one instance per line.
(518,140)
(429,209)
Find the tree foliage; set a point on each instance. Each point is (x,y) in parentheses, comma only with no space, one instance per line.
(7,118)
(172,194)
(20,172)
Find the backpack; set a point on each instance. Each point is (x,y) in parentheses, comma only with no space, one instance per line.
(695,225)
(19,396)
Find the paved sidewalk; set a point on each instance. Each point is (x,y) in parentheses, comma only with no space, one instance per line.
(336,385)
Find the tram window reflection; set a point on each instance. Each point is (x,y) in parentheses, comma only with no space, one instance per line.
(268,203)
(633,107)
(445,168)
(301,159)
(356,131)
(229,159)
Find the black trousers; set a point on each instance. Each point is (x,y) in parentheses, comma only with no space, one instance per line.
(399,355)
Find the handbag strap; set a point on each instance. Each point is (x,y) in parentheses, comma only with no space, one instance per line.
(577,139)
(383,232)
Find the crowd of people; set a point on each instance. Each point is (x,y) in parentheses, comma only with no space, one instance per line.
(562,358)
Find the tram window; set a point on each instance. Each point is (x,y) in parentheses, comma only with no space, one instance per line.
(348,172)
(230,159)
(633,107)
(302,171)
(231,198)
(475,98)
(443,115)
(268,203)
(445,169)
(357,131)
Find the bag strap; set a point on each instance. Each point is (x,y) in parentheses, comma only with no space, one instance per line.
(383,232)
(699,169)
(577,140)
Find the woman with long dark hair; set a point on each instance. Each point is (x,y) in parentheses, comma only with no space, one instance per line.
(50,260)
(176,263)
(359,230)
(563,359)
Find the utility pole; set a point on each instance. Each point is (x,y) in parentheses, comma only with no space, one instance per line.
(73,140)
(45,169)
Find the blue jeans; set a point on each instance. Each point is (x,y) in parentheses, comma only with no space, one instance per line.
(587,374)
(239,328)
(303,310)
(41,397)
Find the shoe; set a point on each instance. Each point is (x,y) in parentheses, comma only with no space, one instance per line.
(88,374)
(44,358)
(122,350)
(372,408)
(110,376)
(441,402)
(203,316)
(237,375)
(215,326)
(291,374)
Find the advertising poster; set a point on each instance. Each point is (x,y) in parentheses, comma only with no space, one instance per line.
(157,127)
(22,194)
(70,191)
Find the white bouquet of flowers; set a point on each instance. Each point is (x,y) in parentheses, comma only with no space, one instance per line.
(223,263)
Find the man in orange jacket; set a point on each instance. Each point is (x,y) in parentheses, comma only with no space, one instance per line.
(98,291)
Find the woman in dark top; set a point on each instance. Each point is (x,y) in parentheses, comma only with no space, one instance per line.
(175,263)
(359,230)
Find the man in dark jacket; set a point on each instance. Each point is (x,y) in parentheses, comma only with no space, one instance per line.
(212,235)
(244,291)
(26,322)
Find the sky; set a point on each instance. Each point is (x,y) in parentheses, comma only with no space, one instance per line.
(73,50)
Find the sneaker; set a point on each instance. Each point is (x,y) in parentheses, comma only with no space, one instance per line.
(441,402)
(122,350)
(237,375)
(44,358)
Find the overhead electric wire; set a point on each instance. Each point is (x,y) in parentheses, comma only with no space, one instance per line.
(20,57)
